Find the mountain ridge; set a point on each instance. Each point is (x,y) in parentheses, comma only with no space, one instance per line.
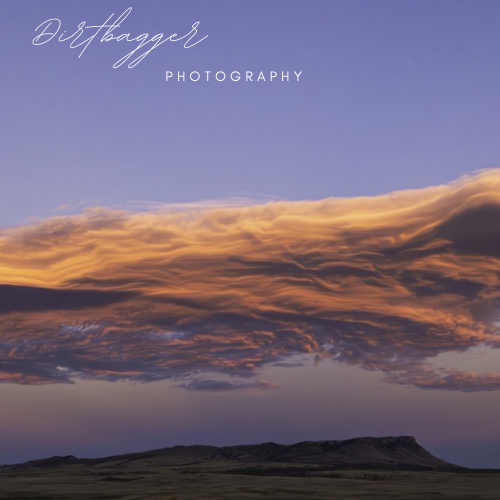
(390,452)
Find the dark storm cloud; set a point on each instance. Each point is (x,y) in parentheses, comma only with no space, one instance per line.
(474,230)
(29,299)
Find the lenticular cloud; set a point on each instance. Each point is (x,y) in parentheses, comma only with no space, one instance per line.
(385,283)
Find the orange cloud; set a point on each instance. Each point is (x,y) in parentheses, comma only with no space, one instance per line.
(383,282)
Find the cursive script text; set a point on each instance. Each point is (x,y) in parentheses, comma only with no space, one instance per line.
(50,28)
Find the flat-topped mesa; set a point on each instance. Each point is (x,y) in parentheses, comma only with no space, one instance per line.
(377,452)
(393,452)
(384,443)
(390,452)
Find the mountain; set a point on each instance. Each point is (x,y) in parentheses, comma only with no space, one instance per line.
(376,468)
(388,453)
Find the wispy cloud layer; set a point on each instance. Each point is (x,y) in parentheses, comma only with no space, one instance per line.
(385,283)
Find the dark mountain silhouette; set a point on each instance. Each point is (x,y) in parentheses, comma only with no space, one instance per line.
(389,453)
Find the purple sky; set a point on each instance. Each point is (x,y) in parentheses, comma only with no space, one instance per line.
(393,95)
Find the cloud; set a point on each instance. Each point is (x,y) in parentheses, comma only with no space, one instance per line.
(28,299)
(453,380)
(385,283)
(198,384)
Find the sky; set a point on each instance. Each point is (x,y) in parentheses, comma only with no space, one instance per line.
(244,261)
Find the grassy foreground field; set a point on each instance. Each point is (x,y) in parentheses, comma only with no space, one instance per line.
(214,481)
(359,468)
